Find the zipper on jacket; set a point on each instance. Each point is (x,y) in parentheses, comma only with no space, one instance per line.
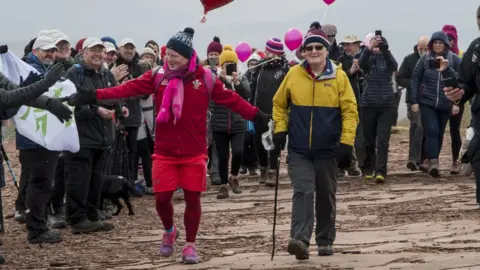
(311,117)
(438,90)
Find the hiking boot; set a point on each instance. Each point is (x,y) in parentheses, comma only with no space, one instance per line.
(85,227)
(299,249)
(354,170)
(149,191)
(20,216)
(455,168)
(242,170)
(433,169)
(233,182)
(424,166)
(263,175)
(45,237)
(223,193)
(104,227)
(168,243)
(412,166)
(56,221)
(380,178)
(369,176)
(215,179)
(252,171)
(271,178)
(325,250)
(190,254)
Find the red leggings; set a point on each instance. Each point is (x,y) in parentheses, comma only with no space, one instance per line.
(191,217)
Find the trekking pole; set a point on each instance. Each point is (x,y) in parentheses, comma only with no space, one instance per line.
(275,202)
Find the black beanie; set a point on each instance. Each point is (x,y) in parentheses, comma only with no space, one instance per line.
(181,42)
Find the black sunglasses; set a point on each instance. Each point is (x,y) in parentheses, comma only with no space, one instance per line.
(316,47)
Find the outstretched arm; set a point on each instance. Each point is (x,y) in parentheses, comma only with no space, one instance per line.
(143,85)
(233,101)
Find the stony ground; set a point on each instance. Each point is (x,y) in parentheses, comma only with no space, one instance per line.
(411,222)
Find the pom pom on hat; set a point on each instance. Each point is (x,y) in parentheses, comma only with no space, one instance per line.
(315,25)
(228,55)
(215,46)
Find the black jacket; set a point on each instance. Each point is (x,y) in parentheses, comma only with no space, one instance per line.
(223,119)
(13,96)
(469,77)
(378,86)
(335,52)
(427,84)
(266,82)
(135,109)
(404,75)
(93,131)
(250,79)
(356,80)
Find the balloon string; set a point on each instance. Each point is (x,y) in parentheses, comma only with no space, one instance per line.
(261,64)
(324,15)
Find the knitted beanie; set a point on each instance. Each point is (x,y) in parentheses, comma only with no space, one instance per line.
(182,43)
(147,50)
(316,35)
(329,29)
(215,46)
(79,45)
(275,46)
(111,40)
(228,55)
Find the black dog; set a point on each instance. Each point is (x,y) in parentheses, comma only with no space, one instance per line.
(114,188)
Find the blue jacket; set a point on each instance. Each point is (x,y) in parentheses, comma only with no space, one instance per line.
(427,85)
(23,143)
(378,86)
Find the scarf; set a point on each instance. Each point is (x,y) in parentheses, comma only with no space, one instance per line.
(172,101)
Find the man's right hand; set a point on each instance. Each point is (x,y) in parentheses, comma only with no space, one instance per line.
(55,73)
(105,114)
(453,94)
(415,108)
(280,139)
(57,108)
(120,72)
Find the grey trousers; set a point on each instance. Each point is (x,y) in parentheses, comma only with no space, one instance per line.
(415,135)
(214,165)
(313,178)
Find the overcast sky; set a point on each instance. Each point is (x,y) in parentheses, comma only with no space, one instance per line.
(254,21)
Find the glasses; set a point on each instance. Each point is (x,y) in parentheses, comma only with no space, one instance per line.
(316,47)
(331,36)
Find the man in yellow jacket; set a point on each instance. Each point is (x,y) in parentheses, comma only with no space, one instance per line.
(316,106)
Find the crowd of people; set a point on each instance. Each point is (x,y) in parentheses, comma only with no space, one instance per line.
(184,119)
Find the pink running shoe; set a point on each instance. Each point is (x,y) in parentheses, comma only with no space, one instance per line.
(167,248)
(190,254)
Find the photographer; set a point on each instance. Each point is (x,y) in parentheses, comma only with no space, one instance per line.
(377,105)
(83,170)
(229,127)
(426,97)
(468,86)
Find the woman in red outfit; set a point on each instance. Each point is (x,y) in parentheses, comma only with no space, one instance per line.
(182,97)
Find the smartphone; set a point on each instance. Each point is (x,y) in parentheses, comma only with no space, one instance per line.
(212,62)
(378,32)
(230,69)
(434,63)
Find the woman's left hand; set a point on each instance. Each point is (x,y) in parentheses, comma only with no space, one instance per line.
(443,63)
(455,110)
(235,78)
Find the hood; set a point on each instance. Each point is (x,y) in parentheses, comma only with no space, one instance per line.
(439,35)
(451,30)
(33,59)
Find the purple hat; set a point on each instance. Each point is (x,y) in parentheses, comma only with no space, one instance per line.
(275,46)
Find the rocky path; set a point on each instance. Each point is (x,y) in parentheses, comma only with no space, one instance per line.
(412,222)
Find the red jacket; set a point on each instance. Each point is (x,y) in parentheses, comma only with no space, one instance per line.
(189,136)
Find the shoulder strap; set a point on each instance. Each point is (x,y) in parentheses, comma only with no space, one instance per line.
(80,69)
(157,78)
(210,80)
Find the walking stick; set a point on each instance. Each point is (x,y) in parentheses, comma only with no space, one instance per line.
(275,204)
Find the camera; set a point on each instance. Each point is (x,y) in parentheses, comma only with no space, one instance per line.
(434,63)
(118,111)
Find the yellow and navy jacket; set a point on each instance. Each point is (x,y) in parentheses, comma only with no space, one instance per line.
(319,113)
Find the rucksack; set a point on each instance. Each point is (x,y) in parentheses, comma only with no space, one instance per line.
(79,68)
(209,78)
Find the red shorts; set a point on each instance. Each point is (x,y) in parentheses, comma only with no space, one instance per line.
(170,173)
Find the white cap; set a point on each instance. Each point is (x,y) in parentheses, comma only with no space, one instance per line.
(126,41)
(110,47)
(44,43)
(43,33)
(92,42)
(60,37)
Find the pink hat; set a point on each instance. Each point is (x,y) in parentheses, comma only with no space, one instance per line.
(368,38)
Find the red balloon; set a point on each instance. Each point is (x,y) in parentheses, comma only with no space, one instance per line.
(209,5)
(328,2)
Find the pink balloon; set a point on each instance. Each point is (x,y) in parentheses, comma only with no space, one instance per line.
(293,38)
(328,2)
(243,51)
